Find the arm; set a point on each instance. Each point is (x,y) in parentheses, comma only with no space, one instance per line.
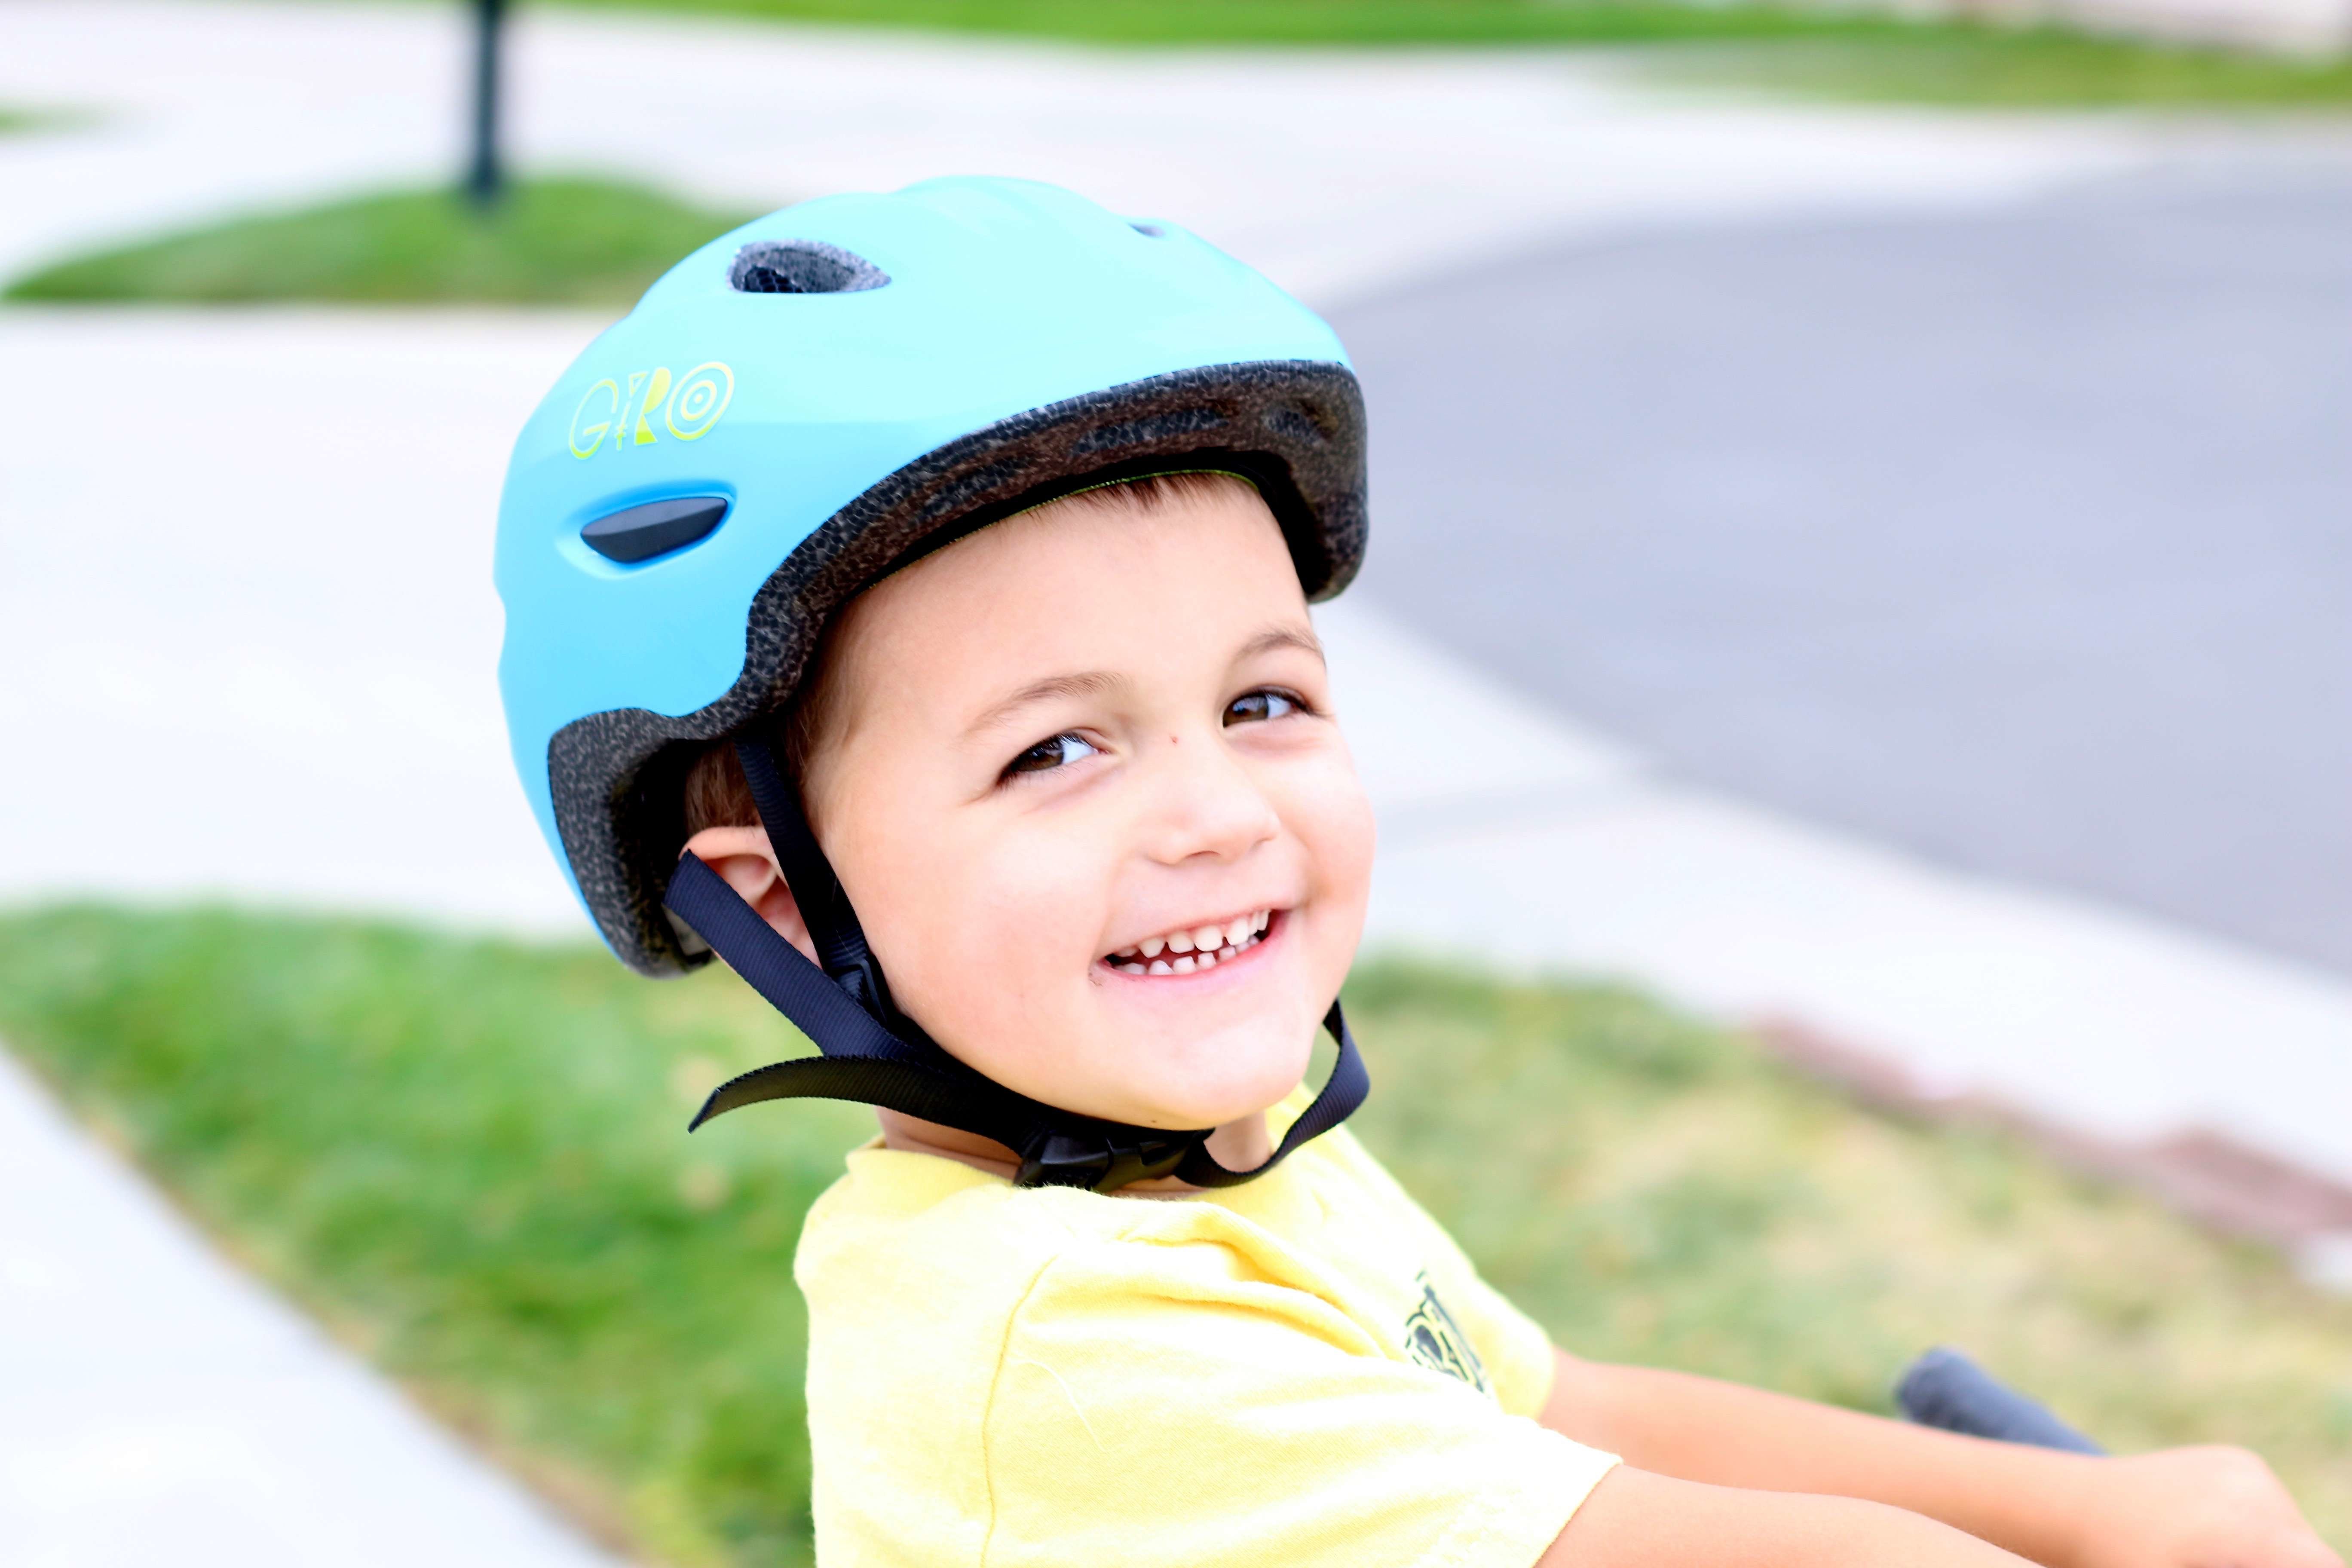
(1637,1519)
(2179,1507)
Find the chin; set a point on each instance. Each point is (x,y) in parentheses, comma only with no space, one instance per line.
(1175,1063)
(1230,1075)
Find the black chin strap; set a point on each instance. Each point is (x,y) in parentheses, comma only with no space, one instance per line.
(875,1055)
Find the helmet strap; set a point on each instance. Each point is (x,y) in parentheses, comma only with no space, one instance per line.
(872,1054)
(833,924)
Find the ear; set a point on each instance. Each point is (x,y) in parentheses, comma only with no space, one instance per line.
(748,861)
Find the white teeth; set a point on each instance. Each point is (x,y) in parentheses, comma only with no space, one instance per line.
(1197,949)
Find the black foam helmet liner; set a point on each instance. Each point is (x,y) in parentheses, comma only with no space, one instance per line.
(1295,428)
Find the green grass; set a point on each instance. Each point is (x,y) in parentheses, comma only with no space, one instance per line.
(469,1158)
(1804,48)
(25,118)
(2042,69)
(1312,21)
(554,242)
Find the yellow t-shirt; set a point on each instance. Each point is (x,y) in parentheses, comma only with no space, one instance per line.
(1302,1370)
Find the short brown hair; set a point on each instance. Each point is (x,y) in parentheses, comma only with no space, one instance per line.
(718,794)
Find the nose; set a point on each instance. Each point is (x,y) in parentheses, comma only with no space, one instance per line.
(1206,803)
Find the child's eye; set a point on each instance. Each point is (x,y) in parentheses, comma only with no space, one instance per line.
(1255,706)
(1059,752)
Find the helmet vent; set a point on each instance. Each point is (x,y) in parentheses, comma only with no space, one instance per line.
(802,267)
(641,533)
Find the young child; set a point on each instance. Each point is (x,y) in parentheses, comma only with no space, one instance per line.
(909,601)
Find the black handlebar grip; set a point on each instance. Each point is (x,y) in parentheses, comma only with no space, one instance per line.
(1945,1389)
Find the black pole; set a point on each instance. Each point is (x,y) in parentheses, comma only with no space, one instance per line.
(485,180)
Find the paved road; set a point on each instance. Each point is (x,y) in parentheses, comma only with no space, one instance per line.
(2022,538)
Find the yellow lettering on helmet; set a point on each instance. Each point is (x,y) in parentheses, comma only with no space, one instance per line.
(629,405)
(655,395)
(688,405)
(586,438)
(700,398)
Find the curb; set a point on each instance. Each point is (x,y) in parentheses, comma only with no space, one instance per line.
(2218,1182)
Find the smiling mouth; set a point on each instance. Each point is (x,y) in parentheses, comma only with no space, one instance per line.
(1191,949)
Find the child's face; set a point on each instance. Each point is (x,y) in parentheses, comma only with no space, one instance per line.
(1066,739)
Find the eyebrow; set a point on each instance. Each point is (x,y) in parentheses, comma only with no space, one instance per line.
(1095,682)
(1275,637)
(1089,683)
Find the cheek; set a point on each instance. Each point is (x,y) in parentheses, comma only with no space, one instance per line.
(1333,819)
(1039,895)
(990,933)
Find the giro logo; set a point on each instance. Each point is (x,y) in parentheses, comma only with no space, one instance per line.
(629,410)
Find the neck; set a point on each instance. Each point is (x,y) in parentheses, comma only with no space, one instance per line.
(1238,1146)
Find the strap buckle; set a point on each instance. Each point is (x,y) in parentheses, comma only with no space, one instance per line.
(1102,1159)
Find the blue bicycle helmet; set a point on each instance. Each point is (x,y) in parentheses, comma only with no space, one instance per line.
(794,411)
